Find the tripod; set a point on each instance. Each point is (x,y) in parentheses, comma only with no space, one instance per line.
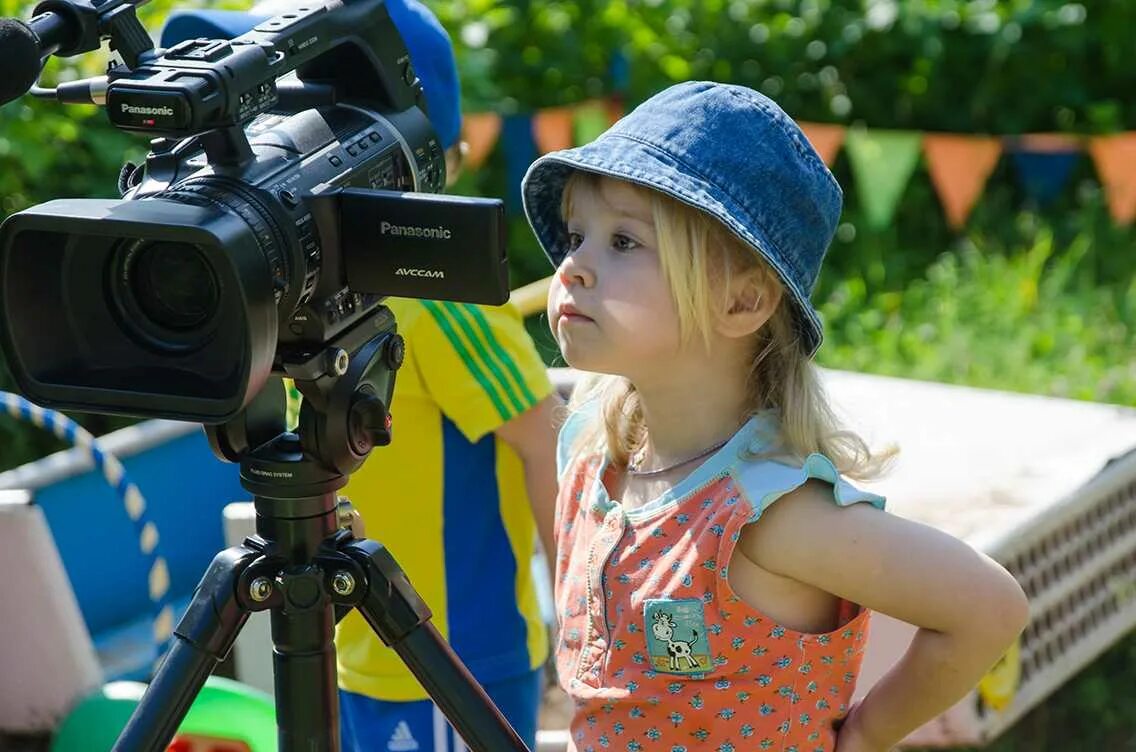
(307,569)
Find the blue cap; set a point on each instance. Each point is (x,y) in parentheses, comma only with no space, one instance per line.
(431,52)
(727,150)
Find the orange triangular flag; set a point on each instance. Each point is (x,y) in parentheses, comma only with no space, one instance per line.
(1115,160)
(959,166)
(480,131)
(826,139)
(552,129)
(615,109)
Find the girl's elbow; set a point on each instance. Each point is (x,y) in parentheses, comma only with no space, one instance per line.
(997,610)
(995,617)
(1021,608)
(1009,609)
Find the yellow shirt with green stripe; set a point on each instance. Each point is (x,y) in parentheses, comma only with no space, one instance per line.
(448,498)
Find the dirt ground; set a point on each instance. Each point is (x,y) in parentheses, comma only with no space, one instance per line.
(555,710)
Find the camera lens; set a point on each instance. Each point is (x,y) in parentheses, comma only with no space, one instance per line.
(166,293)
(174,285)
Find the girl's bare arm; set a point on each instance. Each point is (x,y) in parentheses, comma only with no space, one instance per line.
(967,607)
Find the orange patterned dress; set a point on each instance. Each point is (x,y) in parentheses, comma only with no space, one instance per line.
(656,649)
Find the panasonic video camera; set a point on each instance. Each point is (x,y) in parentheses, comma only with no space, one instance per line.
(292,183)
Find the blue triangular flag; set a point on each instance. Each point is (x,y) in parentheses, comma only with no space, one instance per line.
(520,152)
(1043,168)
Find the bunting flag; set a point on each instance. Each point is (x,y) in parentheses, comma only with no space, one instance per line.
(619,71)
(480,131)
(882,162)
(826,139)
(592,118)
(1115,160)
(520,152)
(959,167)
(552,129)
(614,108)
(1044,162)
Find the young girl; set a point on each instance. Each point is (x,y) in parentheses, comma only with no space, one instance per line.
(715,570)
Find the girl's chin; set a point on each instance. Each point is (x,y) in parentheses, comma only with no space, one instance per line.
(587,359)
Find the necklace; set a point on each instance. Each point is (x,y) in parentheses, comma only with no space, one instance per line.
(635,463)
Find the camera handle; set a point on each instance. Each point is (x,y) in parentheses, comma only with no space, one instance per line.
(308,571)
(70,27)
(227,146)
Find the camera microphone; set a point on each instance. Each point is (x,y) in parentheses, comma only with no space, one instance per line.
(20,59)
(59,27)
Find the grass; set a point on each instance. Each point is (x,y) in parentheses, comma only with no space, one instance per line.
(1029,322)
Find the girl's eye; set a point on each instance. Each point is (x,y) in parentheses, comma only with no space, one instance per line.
(623,243)
(574,240)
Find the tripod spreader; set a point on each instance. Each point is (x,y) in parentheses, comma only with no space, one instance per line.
(346,572)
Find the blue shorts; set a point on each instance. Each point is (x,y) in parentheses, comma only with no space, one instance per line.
(370,725)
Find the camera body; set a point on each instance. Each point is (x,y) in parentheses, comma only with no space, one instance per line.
(292,184)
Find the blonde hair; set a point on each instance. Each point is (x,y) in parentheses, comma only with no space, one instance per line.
(698,256)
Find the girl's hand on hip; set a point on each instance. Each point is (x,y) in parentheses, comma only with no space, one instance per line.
(850,736)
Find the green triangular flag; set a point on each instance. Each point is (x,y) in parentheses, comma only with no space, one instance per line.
(882,163)
(589,120)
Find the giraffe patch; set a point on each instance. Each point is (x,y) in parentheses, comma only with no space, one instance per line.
(676,636)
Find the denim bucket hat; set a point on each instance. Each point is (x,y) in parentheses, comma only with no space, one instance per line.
(726,150)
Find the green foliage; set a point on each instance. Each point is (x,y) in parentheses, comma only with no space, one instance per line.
(1003,66)
(515,56)
(1032,321)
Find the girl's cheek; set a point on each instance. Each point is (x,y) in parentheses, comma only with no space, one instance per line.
(555,292)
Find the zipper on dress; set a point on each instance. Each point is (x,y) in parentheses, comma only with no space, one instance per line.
(591,606)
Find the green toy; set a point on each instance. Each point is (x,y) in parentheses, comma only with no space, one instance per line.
(223,708)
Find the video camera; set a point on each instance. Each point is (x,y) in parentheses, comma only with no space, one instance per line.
(291,183)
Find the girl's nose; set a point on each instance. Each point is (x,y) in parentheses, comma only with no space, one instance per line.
(574,270)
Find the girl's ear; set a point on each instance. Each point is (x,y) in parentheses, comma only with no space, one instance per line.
(751,299)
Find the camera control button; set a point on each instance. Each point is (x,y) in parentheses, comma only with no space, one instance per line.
(395,352)
(375,137)
(335,160)
(352,150)
(363,144)
(216,51)
(180,47)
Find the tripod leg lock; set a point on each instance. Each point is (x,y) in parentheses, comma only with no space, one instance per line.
(389,603)
(215,614)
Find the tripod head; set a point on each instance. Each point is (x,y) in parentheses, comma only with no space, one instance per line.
(347,387)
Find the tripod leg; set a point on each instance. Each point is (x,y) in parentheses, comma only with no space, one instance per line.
(307,706)
(202,639)
(397,615)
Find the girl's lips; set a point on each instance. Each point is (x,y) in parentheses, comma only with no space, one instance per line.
(569,312)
